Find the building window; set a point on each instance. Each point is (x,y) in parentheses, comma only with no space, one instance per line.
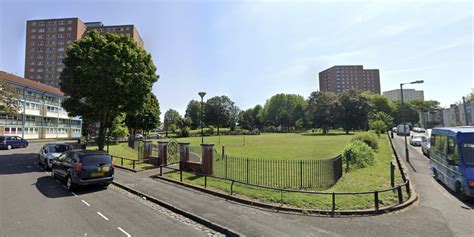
(69,35)
(33,23)
(61,49)
(33,37)
(69,21)
(40,36)
(69,41)
(41,30)
(61,29)
(41,24)
(33,30)
(60,36)
(69,28)
(128,28)
(32,63)
(40,70)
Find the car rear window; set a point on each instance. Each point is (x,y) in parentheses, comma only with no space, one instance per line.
(95,159)
(58,148)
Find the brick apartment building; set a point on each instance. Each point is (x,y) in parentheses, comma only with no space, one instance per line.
(48,39)
(339,78)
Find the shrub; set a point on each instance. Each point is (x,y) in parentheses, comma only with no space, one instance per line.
(211,130)
(361,154)
(368,138)
(184,132)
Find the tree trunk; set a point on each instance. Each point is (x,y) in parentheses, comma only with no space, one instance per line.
(101,139)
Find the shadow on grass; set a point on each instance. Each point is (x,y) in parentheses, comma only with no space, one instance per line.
(327,134)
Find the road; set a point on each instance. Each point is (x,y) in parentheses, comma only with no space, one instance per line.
(458,215)
(34,204)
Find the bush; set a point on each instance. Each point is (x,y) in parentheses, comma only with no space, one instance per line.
(184,132)
(211,130)
(361,154)
(368,138)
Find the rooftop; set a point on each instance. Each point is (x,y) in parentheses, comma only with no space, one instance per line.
(23,82)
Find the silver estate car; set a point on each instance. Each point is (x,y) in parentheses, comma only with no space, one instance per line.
(51,151)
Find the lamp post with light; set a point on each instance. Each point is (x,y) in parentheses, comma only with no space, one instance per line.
(202,94)
(407,155)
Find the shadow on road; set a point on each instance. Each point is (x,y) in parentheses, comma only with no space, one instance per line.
(19,163)
(469,204)
(53,188)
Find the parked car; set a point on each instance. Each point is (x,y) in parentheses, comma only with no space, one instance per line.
(395,130)
(426,143)
(9,142)
(51,151)
(415,139)
(419,130)
(138,136)
(83,167)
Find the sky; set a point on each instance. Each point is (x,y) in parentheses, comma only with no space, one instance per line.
(251,50)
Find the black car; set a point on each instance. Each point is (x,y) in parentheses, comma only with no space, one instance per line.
(83,167)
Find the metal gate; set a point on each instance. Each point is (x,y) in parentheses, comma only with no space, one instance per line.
(173,152)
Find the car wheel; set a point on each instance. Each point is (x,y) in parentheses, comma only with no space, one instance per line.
(53,175)
(435,174)
(9,147)
(460,193)
(69,185)
(105,185)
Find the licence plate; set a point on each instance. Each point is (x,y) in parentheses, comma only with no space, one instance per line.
(105,169)
(97,174)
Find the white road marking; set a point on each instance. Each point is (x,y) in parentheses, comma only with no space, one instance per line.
(73,193)
(86,203)
(102,215)
(123,231)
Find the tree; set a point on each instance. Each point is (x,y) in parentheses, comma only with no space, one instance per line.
(406,113)
(148,117)
(183,124)
(284,110)
(429,106)
(384,117)
(233,117)
(322,110)
(9,98)
(257,117)
(246,119)
(170,120)
(119,129)
(105,76)
(218,111)
(378,126)
(193,112)
(378,103)
(354,110)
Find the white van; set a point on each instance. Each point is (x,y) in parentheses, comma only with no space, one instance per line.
(426,143)
(403,129)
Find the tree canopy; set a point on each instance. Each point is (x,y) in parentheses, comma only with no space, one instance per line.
(148,117)
(9,97)
(193,112)
(354,110)
(105,76)
(284,110)
(171,119)
(220,111)
(323,110)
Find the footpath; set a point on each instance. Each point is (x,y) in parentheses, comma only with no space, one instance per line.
(252,221)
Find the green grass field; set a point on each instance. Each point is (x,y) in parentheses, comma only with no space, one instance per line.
(122,150)
(302,146)
(278,146)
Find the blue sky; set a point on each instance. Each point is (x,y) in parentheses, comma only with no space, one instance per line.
(251,50)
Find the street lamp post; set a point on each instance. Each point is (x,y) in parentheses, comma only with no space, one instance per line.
(407,154)
(202,94)
(465,110)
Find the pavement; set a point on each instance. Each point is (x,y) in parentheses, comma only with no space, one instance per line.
(34,204)
(458,215)
(438,212)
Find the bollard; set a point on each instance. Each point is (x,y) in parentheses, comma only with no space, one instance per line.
(400,194)
(333,209)
(376,200)
(205,181)
(392,174)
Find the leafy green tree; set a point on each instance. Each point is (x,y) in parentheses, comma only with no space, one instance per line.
(119,128)
(257,117)
(170,120)
(407,113)
(105,76)
(246,119)
(322,110)
(378,126)
(430,106)
(219,111)
(284,110)
(378,103)
(183,124)
(193,112)
(354,110)
(9,97)
(148,117)
(386,118)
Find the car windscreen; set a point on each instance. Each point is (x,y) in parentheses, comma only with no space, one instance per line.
(59,148)
(95,160)
(468,153)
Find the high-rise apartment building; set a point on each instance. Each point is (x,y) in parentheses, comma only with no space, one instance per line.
(408,95)
(48,39)
(339,78)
